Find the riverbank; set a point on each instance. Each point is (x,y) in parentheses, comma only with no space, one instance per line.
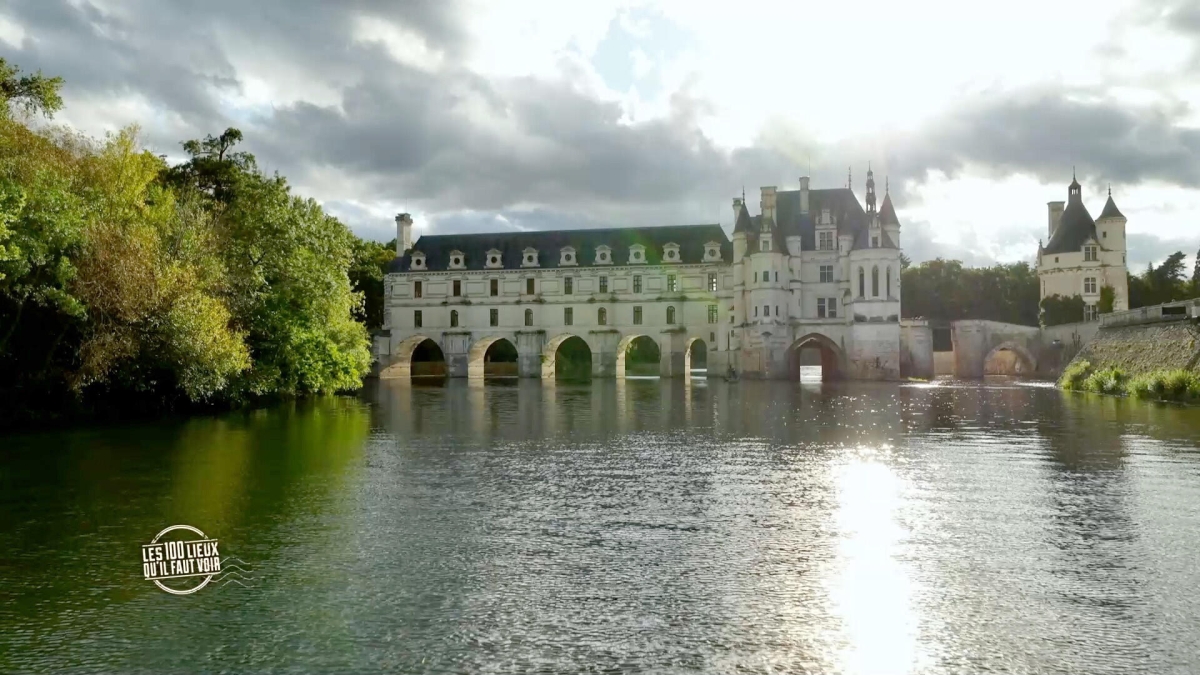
(1176,385)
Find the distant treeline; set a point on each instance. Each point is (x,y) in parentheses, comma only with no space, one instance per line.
(945,290)
(131,286)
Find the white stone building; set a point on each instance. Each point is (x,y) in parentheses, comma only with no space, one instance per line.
(814,277)
(1082,255)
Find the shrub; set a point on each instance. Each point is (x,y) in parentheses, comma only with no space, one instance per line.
(1075,375)
(1106,381)
(1167,385)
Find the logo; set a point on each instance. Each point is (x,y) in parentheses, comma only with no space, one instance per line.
(186,562)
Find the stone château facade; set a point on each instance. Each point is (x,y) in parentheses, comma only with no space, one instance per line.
(1083,256)
(813,272)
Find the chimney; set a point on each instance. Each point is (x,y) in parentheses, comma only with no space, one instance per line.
(737,208)
(403,234)
(1055,215)
(804,195)
(768,203)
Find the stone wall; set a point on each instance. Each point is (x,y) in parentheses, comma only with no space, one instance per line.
(1139,349)
(916,349)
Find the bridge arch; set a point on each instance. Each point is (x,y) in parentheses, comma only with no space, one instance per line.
(696,347)
(556,364)
(1027,362)
(402,358)
(479,363)
(626,343)
(831,356)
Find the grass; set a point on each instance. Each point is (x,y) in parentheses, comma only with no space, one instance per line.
(1163,385)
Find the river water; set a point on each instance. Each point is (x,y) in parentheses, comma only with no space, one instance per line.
(637,526)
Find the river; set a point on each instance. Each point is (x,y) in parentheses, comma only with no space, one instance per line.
(636,526)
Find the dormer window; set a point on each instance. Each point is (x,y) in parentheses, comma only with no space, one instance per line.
(1090,254)
(603,255)
(567,256)
(671,252)
(874,241)
(825,218)
(457,260)
(764,244)
(712,251)
(529,257)
(494,259)
(418,260)
(637,253)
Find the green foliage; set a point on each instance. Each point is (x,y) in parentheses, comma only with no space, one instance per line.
(1108,297)
(1164,283)
(1106,381)
(944,289)
(1057,310)
(1075,375)
(128,284)
(28,93)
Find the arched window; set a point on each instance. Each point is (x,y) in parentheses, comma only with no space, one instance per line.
(862,283)
(454,318)
(529,317)
(602,317)
(670,315)
(875,281)
(887,272)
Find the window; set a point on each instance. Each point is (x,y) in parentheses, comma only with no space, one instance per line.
(417,290)
(730,318)
(1089,285)
(529,317)
(1089,254)
(1091,312)
(712,282)
(766,310)
(637,316)
(826,308)
(712,313)
(776,310)
(417,318)
(756,311)
(862,283)
(637,283)
(602,317)
(569,286)
(457,290)
(831,304)
(671,285)
(826,273)
(1104,235)
(755,276)
(777,277)
(529,286)
(568,316)
(603,284)
(825,241)
(495,287)
(493,317)
(887,272)
(454,318)
(875,282)
(764,244)
(670,315)
(875,241)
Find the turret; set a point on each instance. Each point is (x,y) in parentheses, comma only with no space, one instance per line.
(741,225)
(1110,226)
(404,225)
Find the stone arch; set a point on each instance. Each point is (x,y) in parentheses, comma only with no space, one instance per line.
(550,354)
(402,358)
(1026,359)
(832,357)
(688,363)
(477,362)
(623,350)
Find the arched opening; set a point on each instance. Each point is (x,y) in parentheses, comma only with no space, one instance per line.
(875,281)
(567,357)
(887,273)
(428,361)
(1009,360)
(695,359)
(814,358)
(638,356)
(492,357)
(862,283)
(529,317)
(602,317)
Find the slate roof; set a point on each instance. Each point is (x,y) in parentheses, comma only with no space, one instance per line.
(843,206)
(1110,209)
(691,240)
(1075,226)
(887,213)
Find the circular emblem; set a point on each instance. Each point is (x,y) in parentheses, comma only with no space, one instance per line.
(180,559)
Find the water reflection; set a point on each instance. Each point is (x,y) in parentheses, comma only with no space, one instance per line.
(626,525)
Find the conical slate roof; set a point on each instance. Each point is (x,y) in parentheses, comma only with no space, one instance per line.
(1110,209)
(1075,226)
(887,213)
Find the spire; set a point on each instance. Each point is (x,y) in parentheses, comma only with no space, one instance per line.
(849,178)
(886,188)
(1073,190)
(870,189)
(1110,208)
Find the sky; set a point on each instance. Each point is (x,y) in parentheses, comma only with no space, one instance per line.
(542,114)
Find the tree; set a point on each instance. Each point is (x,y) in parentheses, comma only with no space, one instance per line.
(214,168)
(366,278)
(1108,297)
(28,93)
(1058,309)
(944,289)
